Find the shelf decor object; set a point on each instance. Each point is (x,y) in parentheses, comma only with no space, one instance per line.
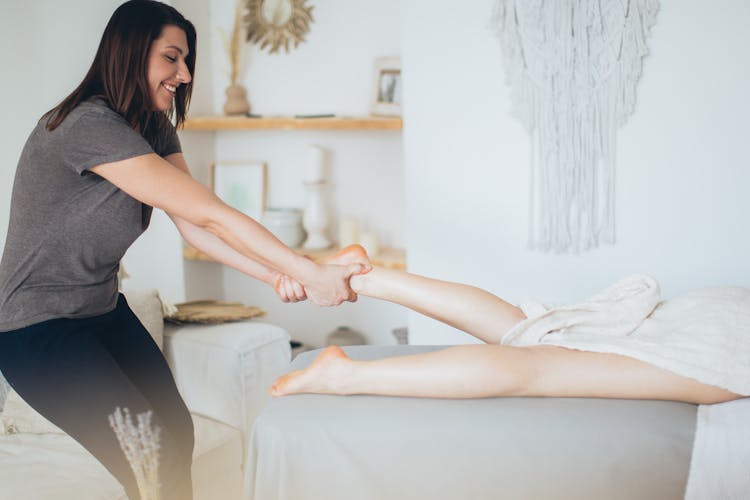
(315,218)
(241,186)
(573,66)
(236,103)
(277,23)
(348,231)
(285,224)
(386,87)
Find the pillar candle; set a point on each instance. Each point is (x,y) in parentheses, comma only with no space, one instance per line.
(370,242)
(315,169)
(348,231)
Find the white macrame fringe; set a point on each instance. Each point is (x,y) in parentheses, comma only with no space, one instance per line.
(573,66)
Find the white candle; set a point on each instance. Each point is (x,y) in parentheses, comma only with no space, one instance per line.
(370,242)
(348,231)
(315,169)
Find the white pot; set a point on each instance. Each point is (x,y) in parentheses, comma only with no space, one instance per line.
(285,224)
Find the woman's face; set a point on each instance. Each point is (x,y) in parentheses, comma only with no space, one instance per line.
(166,66)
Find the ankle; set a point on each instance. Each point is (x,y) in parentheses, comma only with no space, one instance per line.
(362,284)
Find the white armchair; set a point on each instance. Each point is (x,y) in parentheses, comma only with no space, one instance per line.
(222,372)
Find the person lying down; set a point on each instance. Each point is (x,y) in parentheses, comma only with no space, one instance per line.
(622,343)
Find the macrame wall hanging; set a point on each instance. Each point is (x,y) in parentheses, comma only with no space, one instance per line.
(573,66)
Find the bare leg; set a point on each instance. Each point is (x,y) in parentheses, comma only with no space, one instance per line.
(476,371)
(481,370)
(468,308)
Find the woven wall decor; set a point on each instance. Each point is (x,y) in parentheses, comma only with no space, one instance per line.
(573,66)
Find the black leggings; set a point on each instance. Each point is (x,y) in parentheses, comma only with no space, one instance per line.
(75,372)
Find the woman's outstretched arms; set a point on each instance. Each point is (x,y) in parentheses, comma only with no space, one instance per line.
(159,183)
(287,289)
(223,253)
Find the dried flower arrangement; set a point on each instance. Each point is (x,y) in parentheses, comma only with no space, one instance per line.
(234,44)
(140,443)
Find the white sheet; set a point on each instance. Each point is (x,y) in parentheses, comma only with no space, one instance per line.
(720,464)
(704,334)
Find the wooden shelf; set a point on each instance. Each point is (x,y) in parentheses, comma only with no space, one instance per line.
(391,258)
(291,123)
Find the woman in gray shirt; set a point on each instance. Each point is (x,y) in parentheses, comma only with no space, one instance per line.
(85,185)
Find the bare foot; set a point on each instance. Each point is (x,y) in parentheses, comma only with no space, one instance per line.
(349,255)
(323,376)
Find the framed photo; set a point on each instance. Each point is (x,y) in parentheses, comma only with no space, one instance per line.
(386,87)
(241,186)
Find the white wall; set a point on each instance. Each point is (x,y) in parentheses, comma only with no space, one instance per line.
(682,160)
(45,49)
(331,72)
(682,172)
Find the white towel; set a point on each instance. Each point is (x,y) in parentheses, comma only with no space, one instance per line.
(704,335)
(720,465)
(617,310)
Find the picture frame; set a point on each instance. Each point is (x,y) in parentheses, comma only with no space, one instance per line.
(386,87)
(241,185)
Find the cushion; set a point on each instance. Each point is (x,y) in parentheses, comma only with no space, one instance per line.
(17,416)
(146,305)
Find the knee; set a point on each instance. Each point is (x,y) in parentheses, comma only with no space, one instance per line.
(521,372)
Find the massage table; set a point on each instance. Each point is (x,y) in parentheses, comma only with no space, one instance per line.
(313,446)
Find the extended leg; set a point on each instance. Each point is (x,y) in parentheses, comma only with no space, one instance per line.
(481,370)
(465,307)
(475,371)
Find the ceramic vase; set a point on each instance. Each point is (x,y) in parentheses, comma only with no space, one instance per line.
(236,103)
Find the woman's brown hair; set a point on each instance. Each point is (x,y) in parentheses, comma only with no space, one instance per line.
(119,71)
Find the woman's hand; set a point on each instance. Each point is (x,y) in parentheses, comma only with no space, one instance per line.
(288,289)
(329,285)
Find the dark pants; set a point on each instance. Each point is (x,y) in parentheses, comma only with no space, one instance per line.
(76,372)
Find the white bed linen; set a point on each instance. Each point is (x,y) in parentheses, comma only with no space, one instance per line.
(703,334)
(720,464)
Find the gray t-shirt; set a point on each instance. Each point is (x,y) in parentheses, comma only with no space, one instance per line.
(69,227)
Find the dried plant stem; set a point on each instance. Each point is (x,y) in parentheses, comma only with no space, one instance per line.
(140,443)
(233,44)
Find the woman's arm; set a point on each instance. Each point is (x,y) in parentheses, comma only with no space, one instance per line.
(287,289)
(154,181)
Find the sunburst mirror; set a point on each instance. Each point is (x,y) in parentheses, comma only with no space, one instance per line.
(274,24)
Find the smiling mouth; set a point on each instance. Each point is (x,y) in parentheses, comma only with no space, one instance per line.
(171,89)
